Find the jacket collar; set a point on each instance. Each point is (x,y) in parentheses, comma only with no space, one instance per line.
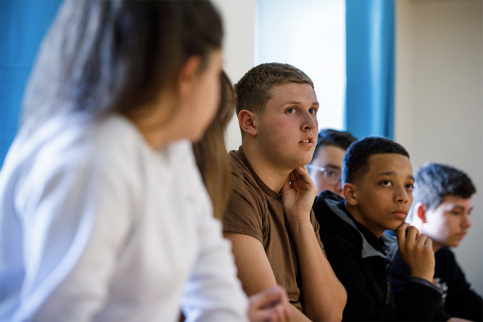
(367,250)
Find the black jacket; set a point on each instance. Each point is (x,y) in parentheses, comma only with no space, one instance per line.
(459,300)
(362,262)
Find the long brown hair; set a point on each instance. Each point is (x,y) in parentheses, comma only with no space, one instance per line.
(210,151)
(114,56)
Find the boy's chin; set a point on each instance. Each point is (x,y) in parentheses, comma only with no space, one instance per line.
(452,244)
(395,224)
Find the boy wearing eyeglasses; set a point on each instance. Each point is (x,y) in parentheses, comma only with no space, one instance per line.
(326,166)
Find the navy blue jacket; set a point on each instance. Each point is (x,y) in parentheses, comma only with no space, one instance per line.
(458,300)
(362,262)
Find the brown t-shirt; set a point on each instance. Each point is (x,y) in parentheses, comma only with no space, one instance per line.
(256,210)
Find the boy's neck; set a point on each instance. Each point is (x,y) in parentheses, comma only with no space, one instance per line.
(355,213)
(436,246)
(273,177)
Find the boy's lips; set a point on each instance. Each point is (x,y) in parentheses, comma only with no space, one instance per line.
(461,235)
(307,141)
(400,214)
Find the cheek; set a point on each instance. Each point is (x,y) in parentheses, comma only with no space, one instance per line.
(209,95)
(323,185)
(214,101)
(442,228)
(270,130)
(282,128)
(318,182)
(208,100)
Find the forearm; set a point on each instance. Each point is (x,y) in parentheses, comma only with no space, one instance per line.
(296,315)
(418,302)
(457,320)
(323,296)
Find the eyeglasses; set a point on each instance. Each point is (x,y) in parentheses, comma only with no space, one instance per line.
(331,175)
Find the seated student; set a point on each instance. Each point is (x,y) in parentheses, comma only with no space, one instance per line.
(441,208)
(269,219)
(210,153)
(326,165)
(378,182)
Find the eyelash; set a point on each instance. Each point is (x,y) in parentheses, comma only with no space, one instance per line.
(383,182)
(408,186)
(312,111)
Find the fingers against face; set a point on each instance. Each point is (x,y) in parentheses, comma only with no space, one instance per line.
(414,239)
(401,233)
(416,250)
(300,178)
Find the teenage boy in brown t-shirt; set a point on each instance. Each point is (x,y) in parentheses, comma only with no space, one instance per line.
(269,219)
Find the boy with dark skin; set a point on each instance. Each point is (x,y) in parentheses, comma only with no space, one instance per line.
(378,182)
(269,220)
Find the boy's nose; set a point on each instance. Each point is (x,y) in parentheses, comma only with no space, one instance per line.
(309,122)
(466,221)
(402,196)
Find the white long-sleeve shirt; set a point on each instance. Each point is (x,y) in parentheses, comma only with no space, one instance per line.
(96,225)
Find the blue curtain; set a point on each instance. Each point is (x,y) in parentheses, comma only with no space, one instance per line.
(23,24)
(370,67)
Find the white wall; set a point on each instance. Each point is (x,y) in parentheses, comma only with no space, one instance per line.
(301,22)
(239,49)
(439,100)
(439,91)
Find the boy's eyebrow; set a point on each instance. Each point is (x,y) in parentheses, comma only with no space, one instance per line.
(386,173)
(461,208)
(392,173)
(296,103)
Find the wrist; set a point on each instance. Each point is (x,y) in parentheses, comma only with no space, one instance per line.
(300,225)
(427,277)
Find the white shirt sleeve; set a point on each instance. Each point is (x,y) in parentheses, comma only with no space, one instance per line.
(213,292)
(70,241)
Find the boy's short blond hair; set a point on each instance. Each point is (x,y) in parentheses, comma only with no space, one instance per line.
(254,89)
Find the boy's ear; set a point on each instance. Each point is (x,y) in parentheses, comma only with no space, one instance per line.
(248,123)
(350,193)
(420,210)
(188,74)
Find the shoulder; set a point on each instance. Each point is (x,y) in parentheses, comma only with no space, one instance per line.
(445,254)
(247,211)
(445,262)
(333,220)
(73,151)
(240,169)
(245,186)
